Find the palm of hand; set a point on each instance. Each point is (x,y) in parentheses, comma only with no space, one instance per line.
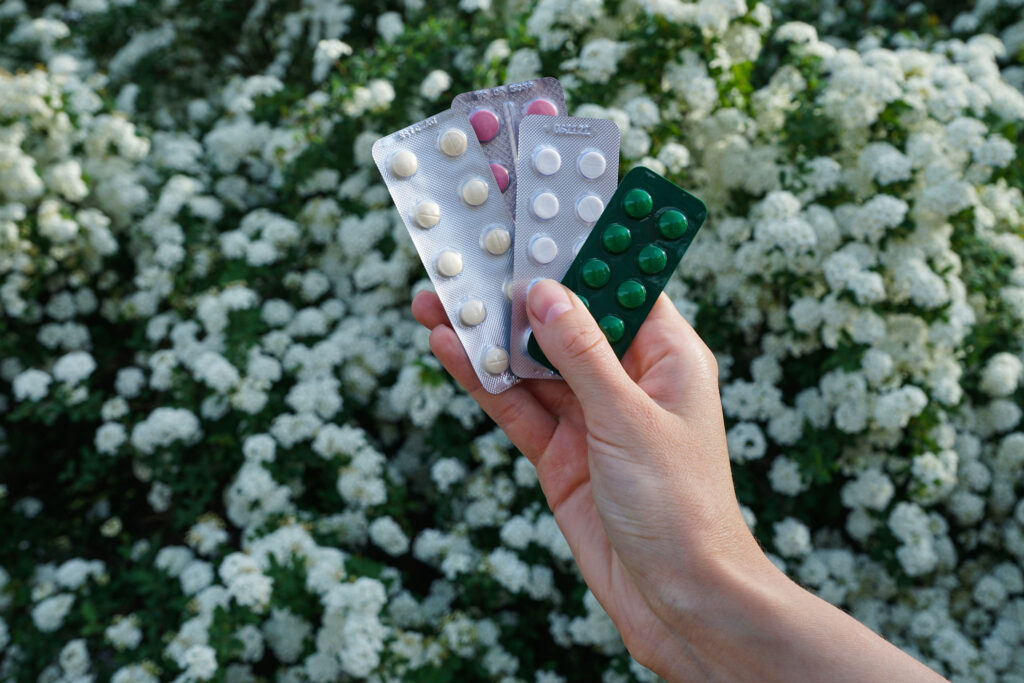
(546,421)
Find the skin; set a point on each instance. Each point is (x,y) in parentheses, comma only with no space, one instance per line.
(632,459)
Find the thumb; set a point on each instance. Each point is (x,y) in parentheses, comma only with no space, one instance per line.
(572,341)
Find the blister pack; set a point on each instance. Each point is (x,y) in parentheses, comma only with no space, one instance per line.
(495,115)
(631,253)
(442,186)
(568,168)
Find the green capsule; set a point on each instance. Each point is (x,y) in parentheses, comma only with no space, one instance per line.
(595,273)
(631,294)
(637,203)
(672,224)
(616,238)
(613,327)
(651,259)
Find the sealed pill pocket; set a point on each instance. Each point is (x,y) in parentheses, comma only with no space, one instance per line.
(495,114)
(442,186)
(568,169)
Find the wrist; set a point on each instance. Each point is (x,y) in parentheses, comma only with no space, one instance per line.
(725,614)
(748,621)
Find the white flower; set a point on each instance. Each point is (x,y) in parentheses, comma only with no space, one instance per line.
(163,427)
(195,576)
(326,54)
(74,367)
(31,385)
(74,658)
(388,535)
(446,472)
(871,489)
(785,477)
(524,64)
(1001,375)
(598,60)
(285,633)
(49,614)
(894,409)
(746,442)
(124,633)
(934,475)
(390,26)
(200,662)
(675,156)
(435,84)
(134,673)
(792,538)
(110,436)
(173,558)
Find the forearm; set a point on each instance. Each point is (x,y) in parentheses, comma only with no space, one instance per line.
(750,622)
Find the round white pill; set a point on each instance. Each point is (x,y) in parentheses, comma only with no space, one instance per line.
(495,360)
(474,192)
(449,263)
(403,163)
(589,208)
(426,214)
(472,312)
(591,164)
(497,241)
(453,142)
(579,245)
(543,249)
(545,206)
(547,160)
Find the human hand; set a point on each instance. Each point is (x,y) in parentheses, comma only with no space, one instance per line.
(632,459)
(631,456)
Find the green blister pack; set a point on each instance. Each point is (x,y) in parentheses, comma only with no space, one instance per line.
(632,251)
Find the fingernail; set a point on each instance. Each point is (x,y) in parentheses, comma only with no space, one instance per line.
(547,300)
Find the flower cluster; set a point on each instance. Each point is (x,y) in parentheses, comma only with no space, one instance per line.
(226,449)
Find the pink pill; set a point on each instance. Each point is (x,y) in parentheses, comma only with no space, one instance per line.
(485,124)
(501,175)
(542,106)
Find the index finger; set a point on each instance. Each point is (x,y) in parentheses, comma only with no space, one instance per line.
(526,422)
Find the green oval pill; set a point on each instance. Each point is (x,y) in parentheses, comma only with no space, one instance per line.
(584,300)
(595,273)
(637,203)
(631,294)
(613,327)
(672,224)
(652,259)
(616,238)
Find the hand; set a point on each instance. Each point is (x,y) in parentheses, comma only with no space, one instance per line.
(636,470)
(633,462)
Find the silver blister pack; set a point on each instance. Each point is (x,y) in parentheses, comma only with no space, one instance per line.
(441,184)
(568,170)
(495,114)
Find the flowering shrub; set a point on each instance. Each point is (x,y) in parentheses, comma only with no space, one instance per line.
(227,453)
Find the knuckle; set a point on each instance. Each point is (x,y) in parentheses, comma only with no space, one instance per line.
(508,413)
(580,341)
(709,360)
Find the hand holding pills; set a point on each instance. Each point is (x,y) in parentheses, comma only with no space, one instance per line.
(512,147)
(633,461)
(630,455)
